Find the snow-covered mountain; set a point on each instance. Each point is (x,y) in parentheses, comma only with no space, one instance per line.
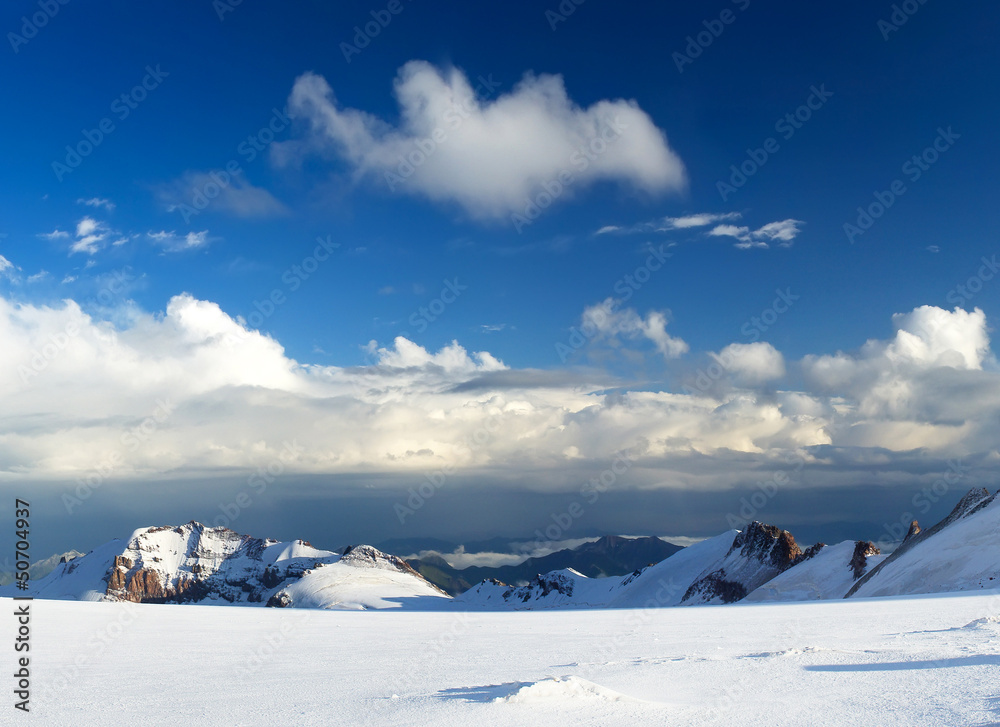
(960,553)
(830,573)
(193,563)
(763,563)
(198,564)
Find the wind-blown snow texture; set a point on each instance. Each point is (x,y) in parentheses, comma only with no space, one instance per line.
(929,661)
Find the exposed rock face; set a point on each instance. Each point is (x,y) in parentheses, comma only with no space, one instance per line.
(808,553)
(213,563)
(914,530)
(758,554)
(279,600)
(859,561)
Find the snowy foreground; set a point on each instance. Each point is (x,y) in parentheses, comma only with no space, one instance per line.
(928,660)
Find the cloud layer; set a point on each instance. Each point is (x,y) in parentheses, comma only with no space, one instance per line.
(487,150)
(193,393)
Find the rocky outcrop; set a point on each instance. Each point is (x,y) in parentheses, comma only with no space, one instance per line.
(758,554)
(859,561)
(215,563)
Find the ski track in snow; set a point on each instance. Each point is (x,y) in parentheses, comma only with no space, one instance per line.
(928,660)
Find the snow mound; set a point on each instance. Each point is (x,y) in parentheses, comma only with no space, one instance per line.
(981,622)
(562,689)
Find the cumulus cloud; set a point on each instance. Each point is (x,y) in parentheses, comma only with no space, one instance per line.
(607,321)
(752,363)
(90,236)
(210,396)
(448,135)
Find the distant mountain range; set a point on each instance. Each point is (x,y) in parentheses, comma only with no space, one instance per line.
(607,556)
(193,563)
(764,563)
(40,568)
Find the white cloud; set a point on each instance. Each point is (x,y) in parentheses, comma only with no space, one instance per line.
(784,231)
(37,277)
(54,235)
(697,220)
(928,394)
(172,242)
(98,202)
(9,270)
(90,233)
(525,138)
(752,363)
(607,322)
(197,190)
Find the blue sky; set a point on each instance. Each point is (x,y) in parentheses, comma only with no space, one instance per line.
(703,90)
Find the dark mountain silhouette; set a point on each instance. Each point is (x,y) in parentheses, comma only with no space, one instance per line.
(611,555)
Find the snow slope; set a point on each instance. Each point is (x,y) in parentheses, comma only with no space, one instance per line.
(828,574)
(662,584)
(929,661)
(962,553)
